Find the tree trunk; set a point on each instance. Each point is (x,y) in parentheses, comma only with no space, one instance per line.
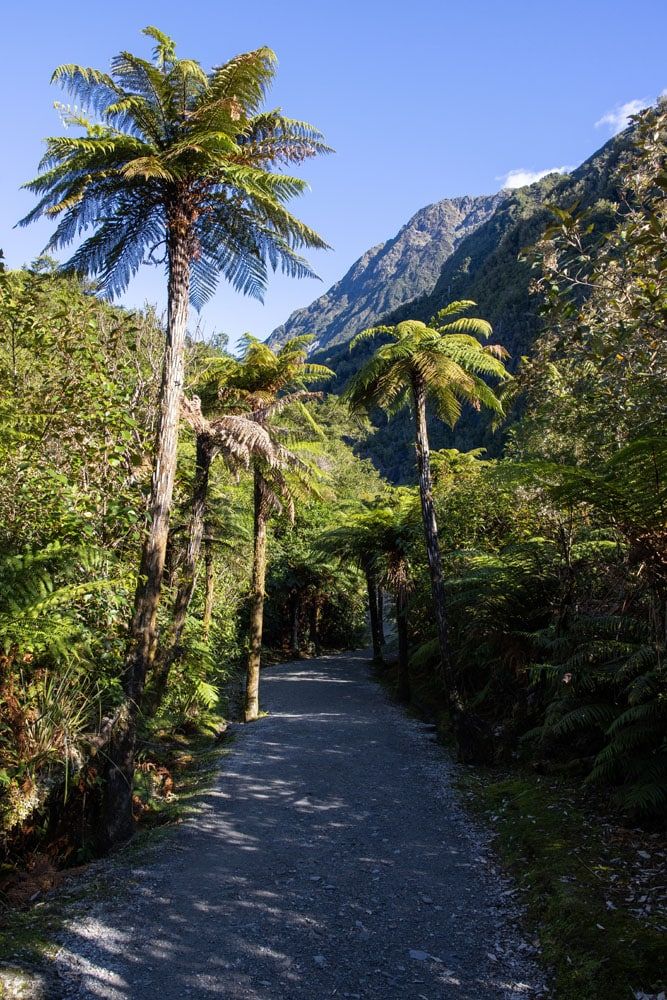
(296,612)
(371,584)
(118,824)
(316,614)
(433,546)
(473,738)
(171,648)
(403,680)
(381,616)
(210,585)
(431,530)
(256,604)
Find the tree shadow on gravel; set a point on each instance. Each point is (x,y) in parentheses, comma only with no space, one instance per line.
(318,867)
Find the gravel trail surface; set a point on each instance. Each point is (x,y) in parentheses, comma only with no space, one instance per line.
(332,859)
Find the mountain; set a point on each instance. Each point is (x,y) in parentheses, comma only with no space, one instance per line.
(392,273)
(480,258)
(487,265)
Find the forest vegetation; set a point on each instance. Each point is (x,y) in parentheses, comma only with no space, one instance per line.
(172,512)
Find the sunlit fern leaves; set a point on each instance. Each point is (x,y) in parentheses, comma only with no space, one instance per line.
(49,687)
(162,139)
(39,600)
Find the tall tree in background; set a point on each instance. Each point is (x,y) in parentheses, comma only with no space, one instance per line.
(277,485)
(174,163)
(394,538)
(357,542)
(274,381)
(376,539)
(444,363)
(239,439)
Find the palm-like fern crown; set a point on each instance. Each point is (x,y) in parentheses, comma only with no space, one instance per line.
(245,396)
(377,537)
(268,374)
(261,378)
(169,150)
(275,382)
(444,358)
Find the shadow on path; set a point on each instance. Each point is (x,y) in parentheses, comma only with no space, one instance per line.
(330,860)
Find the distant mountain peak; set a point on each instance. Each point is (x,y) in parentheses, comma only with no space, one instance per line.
(391,273)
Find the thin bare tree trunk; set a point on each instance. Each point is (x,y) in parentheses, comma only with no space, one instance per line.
(316,614)
(256,604)
(171,650)
(117,820)
(209,594)
(371,584)
(472,735)
(403,680)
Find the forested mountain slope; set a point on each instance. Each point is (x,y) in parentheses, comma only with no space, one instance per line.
(486,267)
(392,273)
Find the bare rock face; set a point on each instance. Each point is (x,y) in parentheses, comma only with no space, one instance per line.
(390,274)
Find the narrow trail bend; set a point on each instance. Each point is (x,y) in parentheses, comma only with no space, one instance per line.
(330,860)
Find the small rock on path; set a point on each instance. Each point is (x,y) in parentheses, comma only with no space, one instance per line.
(332,859)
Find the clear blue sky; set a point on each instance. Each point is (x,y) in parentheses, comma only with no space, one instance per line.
(422,100)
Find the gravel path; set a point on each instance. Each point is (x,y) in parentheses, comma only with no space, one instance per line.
(331,860)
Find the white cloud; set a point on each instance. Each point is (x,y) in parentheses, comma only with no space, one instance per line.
(619,117)
(519,178)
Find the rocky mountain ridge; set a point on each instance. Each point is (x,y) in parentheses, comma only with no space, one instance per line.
(487,265)
(392,273)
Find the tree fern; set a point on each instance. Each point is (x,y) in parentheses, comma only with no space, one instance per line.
(49,691)
(176,165)
(447,365)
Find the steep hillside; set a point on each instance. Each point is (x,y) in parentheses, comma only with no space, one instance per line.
(392,273)
(486,268)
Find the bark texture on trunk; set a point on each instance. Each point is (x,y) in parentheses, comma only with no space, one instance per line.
(171,649)
(381,616)
(209,594)
(431,527)
(315,618)
(296,614)
(472,735)
(256,602)
(372,587)
(403,680)
(118,823)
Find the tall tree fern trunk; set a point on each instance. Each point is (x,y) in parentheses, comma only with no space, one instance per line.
(256,603)
(209,586)
(296,614)
(381,616)
(118,825)
(472,735)
(372,587)
(316,617)
(403,683)
(171,650)
(432,541)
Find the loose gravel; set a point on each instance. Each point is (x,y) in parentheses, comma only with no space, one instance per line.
(331,859)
